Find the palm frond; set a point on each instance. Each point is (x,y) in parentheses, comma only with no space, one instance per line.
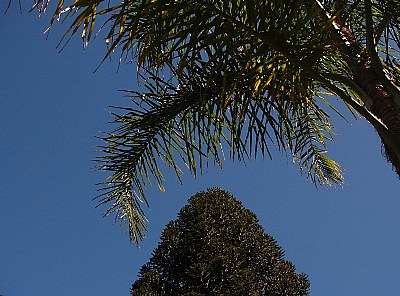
(245,76)
(223,85)
(190,117)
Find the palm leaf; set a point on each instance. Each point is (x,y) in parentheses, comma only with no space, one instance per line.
(244,75)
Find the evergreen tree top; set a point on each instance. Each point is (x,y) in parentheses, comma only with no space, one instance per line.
(217,247)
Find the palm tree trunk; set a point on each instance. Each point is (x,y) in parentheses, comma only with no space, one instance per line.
(380,103)
(378,99)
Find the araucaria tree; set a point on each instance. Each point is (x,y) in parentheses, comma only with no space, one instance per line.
(216,247)
(247,75)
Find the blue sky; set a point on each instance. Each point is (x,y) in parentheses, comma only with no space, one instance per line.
(53,239)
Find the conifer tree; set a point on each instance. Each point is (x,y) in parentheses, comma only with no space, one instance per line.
(217,247)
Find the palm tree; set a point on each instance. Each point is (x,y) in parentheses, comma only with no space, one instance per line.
(244,75)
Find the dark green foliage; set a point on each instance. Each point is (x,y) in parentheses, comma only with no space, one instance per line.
(217,247)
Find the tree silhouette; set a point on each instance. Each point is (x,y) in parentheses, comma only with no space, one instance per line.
(217,247)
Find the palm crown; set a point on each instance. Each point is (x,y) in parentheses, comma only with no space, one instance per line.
(243,75)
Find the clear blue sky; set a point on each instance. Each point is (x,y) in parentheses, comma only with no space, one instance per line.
(54,241)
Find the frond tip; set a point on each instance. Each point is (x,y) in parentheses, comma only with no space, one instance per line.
(125,204)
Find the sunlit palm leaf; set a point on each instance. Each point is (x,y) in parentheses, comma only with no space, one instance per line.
(247,76)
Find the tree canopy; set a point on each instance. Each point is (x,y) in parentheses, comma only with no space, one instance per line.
(217,247)
(244,76)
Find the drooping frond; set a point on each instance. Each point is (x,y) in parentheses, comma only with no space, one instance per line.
(245,75)
(188,119)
